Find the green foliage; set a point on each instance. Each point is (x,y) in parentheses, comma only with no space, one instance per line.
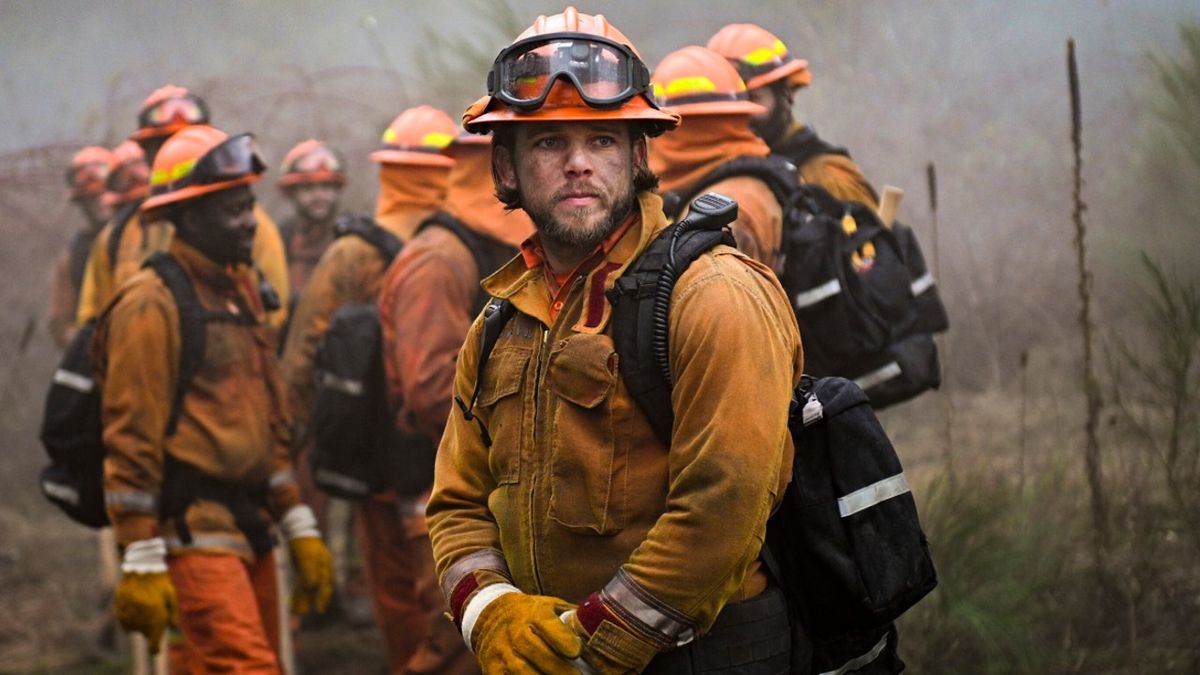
(1179,79)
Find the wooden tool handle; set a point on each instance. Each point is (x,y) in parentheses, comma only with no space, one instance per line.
(889,203)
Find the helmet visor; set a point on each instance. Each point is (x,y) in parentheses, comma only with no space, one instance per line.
(175,110)
(606,73)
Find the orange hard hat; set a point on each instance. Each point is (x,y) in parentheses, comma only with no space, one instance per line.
(698,81)
(418,136)
(760,57)
(568,67)
(129,178)
(201,159)
(167,110)
(311,161)
(88,172)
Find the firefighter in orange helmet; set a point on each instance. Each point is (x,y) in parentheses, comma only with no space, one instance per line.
(198,457)
(773,75)
(166,111)
(313,175)
(707,92)
(569,536)
(86,181)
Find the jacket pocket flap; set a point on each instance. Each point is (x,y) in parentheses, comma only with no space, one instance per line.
(503,374)
(583,369)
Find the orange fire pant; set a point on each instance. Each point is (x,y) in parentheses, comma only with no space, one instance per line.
(228,613)
(398,560)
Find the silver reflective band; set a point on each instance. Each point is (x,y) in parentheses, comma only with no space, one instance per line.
(73,380)
(630,601)
(341,481)
(923,284)
(133,501)
(865,498)
(61,492)
(280,478)
(877,377)
(483,559)
(814,295)
(860,661)
(813,411)
(351,387)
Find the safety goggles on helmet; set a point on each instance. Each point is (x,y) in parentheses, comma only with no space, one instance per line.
(234,158)
(186,109)
(605,72)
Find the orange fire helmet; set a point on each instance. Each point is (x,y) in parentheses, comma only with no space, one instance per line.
(418,136)
(88,172)
(698,81)
(568,67)
(760,57)
(129,178)
(167,110)
(199,160)
(312,161)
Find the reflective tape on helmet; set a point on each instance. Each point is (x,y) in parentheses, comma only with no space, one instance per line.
(80,383)
(342,384)
(180,170)
(875,493)
(858,662)
(685,85)
(878,377)
(814,295)
(922,284)
(765,55)
(437,139)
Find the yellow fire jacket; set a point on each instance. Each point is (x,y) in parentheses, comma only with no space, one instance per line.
(233,423)
(576,493)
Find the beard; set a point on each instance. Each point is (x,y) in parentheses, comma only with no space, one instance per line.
(583,229)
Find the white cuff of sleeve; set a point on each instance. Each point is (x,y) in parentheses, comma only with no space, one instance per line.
(478,602)
(145,557)
(298,522)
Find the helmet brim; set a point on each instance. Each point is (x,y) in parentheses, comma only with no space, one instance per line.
(193,191)
(796,71)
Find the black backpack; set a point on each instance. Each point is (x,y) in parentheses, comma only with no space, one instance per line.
(845,544)
(853,309)
(71,427)
(357,449)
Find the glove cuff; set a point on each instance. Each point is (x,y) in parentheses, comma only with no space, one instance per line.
(299,522)
(479,602)
(147,556)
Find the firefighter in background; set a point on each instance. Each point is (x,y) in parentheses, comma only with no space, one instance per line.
(189,481)
(773,75)
(312,179)
(86,184)
(707,92)
(413,171)
(166,111)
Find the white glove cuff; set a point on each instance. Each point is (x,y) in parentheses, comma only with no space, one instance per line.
(478,602)
(298,522)
(145,557)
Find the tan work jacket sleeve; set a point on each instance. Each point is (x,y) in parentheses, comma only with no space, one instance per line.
(141,365)
(424,308)
(841,177)
(269,255)
(97,286)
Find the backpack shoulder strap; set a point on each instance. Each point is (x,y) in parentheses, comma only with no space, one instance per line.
(495,316)
(641,301)
(780,175)
(806,144)
(368,230)
(489,253)
(120,221)
(192,319)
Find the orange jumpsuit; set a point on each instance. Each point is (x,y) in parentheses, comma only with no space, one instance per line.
(391,532)
(232,428)
(700,145)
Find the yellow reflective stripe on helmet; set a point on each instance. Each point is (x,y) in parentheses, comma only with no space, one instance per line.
(437,139)
(684,85)
(765,55)
(163,176)
(389,136)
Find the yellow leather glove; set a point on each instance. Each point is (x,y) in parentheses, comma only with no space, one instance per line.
(314,575)
(519,633)
(144,600)
(613,647)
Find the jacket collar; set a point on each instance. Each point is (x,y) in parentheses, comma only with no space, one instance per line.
(526,288)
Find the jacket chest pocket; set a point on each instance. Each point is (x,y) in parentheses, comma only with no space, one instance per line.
(501,406)
(587,468)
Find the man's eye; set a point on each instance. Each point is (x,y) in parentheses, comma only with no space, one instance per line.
(605,141)
(547,143)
